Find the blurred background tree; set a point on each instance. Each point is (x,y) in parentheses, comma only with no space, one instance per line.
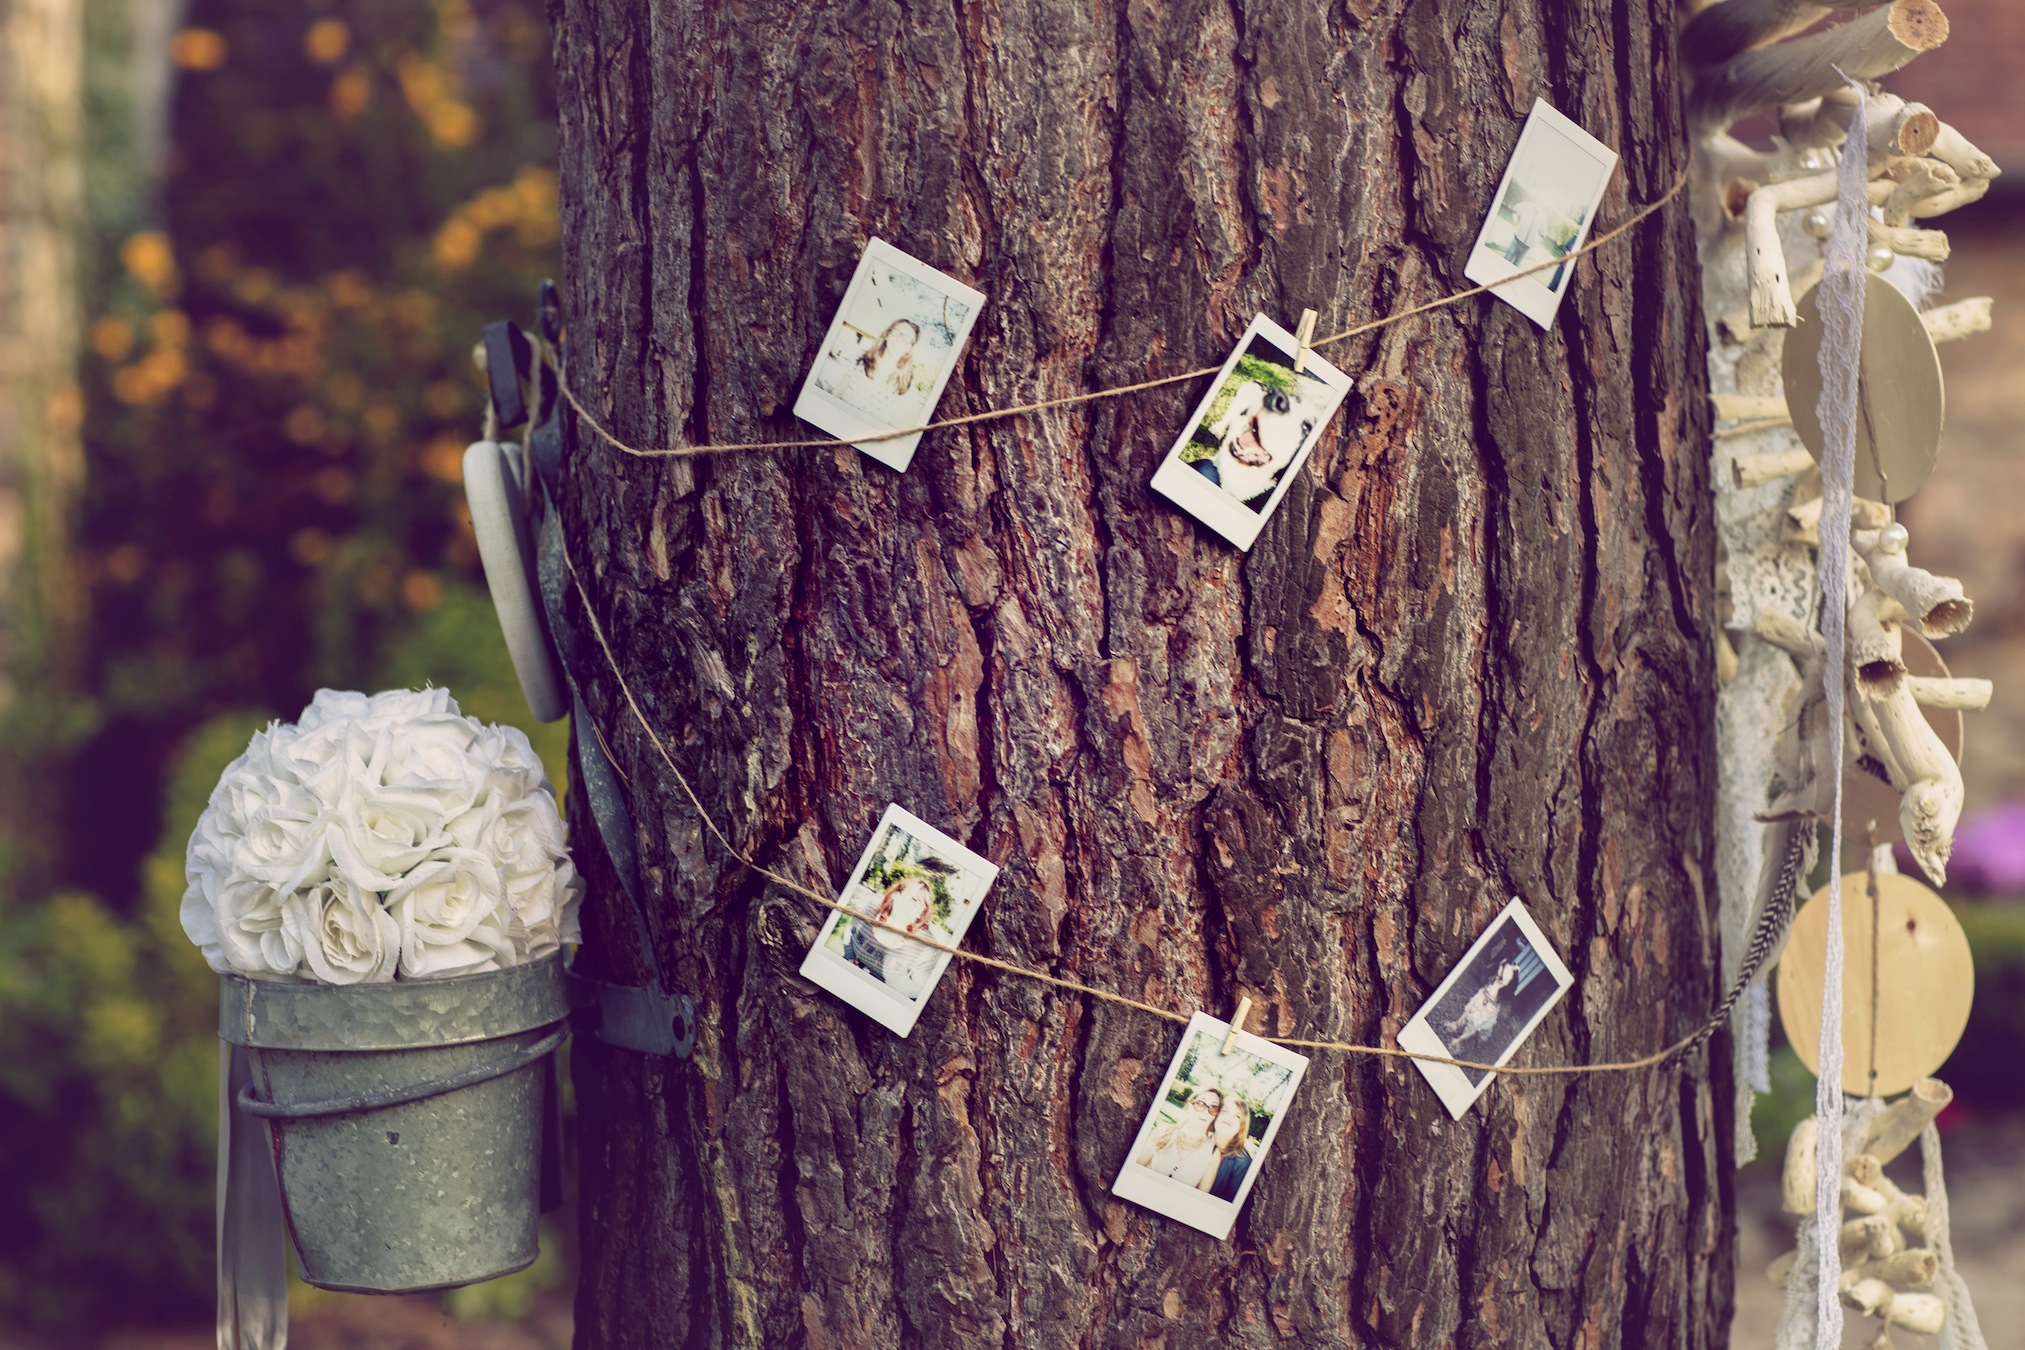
(248,250)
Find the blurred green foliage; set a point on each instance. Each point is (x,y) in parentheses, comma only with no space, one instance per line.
(278,392)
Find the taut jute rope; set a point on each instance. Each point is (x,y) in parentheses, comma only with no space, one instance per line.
(1092,396)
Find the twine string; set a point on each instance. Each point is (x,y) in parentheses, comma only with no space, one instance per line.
(717,832)
(561,374)
(561,371)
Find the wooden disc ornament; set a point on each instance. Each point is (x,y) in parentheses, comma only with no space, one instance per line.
(1867,797)
(1920,983)
(1900,403)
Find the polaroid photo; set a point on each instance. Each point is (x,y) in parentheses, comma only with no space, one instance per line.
(1210,1126)
(1487,1006)
(912,877)
(1251,433)
(1545,205)
(889,353)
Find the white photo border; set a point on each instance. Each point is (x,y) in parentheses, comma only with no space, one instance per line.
(1163,1196)
(1206,501)
(1534,300)
(828,413)
(1454,1088)
(869,996)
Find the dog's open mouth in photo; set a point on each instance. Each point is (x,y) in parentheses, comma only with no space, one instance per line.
(1267,430)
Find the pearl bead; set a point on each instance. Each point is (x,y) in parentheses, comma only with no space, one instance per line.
(1893,538)
(1879,257)
(1816,224)
(1813,159)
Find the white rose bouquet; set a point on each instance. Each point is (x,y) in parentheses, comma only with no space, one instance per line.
(380,837)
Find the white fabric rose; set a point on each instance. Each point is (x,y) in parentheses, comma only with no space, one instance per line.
(380,834)
(346,938)
(378,837)
(253,935)
(453,917)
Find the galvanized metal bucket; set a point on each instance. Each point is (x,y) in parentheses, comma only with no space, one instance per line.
(407,1119)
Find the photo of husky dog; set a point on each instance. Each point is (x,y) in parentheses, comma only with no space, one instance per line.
(1256,425)
(1242,447)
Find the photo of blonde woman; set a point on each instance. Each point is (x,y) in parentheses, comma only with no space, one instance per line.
(889,358)
(1186,1150)
(913,882)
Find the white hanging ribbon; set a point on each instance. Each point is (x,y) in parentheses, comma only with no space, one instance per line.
(252,1236)
(1961,1331)
(1841,306)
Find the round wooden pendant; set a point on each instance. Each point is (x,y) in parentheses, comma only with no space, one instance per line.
(1900,402)
(1920,983)
(1866,796)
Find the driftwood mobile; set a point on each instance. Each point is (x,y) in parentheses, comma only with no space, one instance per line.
(1765,217)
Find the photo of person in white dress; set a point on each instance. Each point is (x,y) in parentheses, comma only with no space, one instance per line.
(1495,997)
(907,904)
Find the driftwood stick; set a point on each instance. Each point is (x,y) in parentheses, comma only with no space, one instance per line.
(1958,693)
(1871,1237)
(1913,1268)
(1956,151)
(1796,1182)
(1737,323)
(1869,1296)
(1916,180)
(1751,471)
(1785,633)
(1938,604)
(1818,123)
(1735,26)
(1971,190)
(1931,796)
(1876,645)
(1917,1312)
(1746,407)
(1951,323)
(1894,1131)
(1929,244)
(1894,127)
(1875,44)
(1772,303)
(1862,1199)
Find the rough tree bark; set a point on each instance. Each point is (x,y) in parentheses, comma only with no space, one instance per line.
(1469,657)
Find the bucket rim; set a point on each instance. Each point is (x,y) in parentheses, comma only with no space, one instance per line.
(396,1015)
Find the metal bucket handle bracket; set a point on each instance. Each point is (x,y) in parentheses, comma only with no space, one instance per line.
(632,1018)
(411,1092)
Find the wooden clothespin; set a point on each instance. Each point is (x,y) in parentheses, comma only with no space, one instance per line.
(1237,1023)
(1303,335)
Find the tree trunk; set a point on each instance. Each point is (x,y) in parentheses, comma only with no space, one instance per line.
(42,217)
(1469,657)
